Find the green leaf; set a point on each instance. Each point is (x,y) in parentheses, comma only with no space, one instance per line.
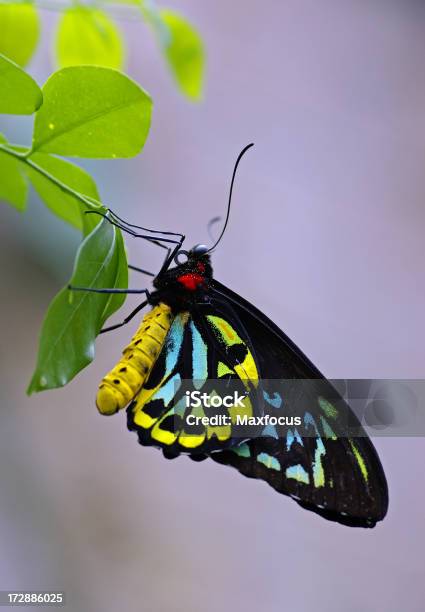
(185,54)
(90,111)
(13,186)
(19,93)
(88,36)
(65,206)
(152,16)
(19,27)
(74,318)
(121,280)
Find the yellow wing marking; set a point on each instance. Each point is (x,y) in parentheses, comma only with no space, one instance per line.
(165,390)
(247,369)
(124,381)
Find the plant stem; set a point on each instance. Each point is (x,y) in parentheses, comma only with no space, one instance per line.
(24,159)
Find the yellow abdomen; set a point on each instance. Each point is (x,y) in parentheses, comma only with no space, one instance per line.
(124,381)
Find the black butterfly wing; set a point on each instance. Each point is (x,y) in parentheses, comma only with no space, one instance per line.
(205,347)
(323,469)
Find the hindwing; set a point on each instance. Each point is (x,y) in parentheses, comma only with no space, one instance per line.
(203,349)
(317,463)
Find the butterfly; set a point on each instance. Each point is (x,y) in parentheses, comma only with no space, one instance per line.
(199,330)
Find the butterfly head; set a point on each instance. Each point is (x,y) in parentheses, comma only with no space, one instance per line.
(190,276)
(199,250)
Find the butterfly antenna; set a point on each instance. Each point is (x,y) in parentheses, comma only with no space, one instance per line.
(241,154)
(212,222)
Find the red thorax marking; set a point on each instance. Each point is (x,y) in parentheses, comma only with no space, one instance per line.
(190,281)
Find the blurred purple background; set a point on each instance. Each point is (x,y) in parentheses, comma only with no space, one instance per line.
(326,237)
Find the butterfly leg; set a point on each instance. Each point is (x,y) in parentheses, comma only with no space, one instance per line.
(127,319)
(171,253)
(102,290)
(136,269)
(146,229)
(130,231)
(114,291)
